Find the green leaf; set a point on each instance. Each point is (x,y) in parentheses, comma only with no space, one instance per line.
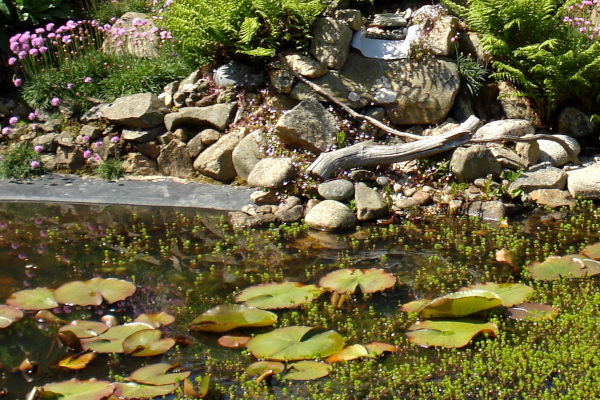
(448,334)
(230,316)
(592,251)
(278,295)
(458,304)
(156,374)
(349,353)
(555,267)
(112,289)
(295,343)
(346,280)
(156,320)
(8,315)
(307,371)
(75,389)
(84,329)
(147,343)
(111,341)
(33,299)
(77,293)
(260,367)
(132,390)
(509,293)
(532,312)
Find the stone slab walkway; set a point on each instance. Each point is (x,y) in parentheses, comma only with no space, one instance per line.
(63,188)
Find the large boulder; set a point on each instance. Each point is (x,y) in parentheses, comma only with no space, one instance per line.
(216,161)
(505,127)
(370,204)
(272,172)
(330,215)
(218,116)
(331,42)
(248,153)
(555,153)
(585,182)
(540,178)
(142,110)
(573,122)
(469,163)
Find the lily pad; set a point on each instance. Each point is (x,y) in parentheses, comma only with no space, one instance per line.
(377,348)
(132,390)
(555,267)
(233,342)
(156,374)
(77,293)
(75,389)
(346,280)
(147,343)
(33,299)
(191,392)
(230,316)
(112,289)
(458,304)
(509,293)
(295,343)
(8,315)
(84,329)
(448,334)
(307,371)
(259,368)
(278,295)
(156,320)
(592,251)
(349,353)
(78,361)
(532,312)
(111,341)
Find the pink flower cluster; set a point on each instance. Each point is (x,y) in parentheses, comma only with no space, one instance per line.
(579,18)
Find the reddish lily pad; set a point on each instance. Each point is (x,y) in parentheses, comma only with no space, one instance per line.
(111,341)
(448,334)
(78,361)
(156,320)
(457,304)
(349,353)
(278,295)
(532,312)
(132,390)
(377,348)
(77,293)
(295,343)
(555,267)
(307,371)
(33,299)
(230,316)
(233,342)
(112,289)
(84,329)
(156,374)
(75,389)
(147,343)
(8,315)
(509,293)
(592,251)
(346,280)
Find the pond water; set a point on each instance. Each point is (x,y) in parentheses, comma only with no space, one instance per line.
(184,262)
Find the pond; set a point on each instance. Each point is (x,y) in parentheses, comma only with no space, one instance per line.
(184,262)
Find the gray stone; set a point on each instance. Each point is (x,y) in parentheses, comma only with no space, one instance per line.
(146,44)
(504,127)
(305,66)
(553,198)
(272,172)
(405,203)
(331,42)
(487,210)
(389,20)
(47,141)
(454,206)
(292,215)
(353,18)
(142,110)
(369,129)
(70,158)
(338,189)
(150,149)
(529,152)
(370,204)
(585,182)
(242,220)
(139,164)
(422,197)
(142,135)
(282,80)
(218,115)
(65,139)
(237,74)
(195,146)
(469,163)
(553,152)
(48,161)
(92,131)
(438,39)
(517,107)
(168,92)
(508,158)
(330,215)
(289,202)
(248,153)
(263,197)
(542,178)
(108,149)
(209,136)
(308,126)
(572,122)
(174,160)
(216,161)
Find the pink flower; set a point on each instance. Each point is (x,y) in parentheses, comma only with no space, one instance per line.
(6,130)
(35,164)
(98,144)
(69,85)
(22,55)
(87,154)
(55,101)
(114,139)
(37,42)
(39,31)
(31,116)
(13,120)
(87,79)
(12,61)
(97,157)
(49,27)
(34,52)
(85,138)
(43,49)
(17,82)
(14,47)
(38,148)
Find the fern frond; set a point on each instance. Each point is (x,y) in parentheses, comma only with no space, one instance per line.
(249,29)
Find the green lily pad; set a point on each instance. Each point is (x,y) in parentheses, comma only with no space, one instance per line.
(457,304)
(147,343)
(261,367)
(156,374)
(8,315)
(75,389)
(156,320)
(415,306)
(112,289)
(448,334)
(33,299)
(592,251)
(532,312)
(295,343)
(278,295)
(307,371)
(84,329)
(509,293)
(555,267)
(592,267)
(132,390)
(77,293)
(111,341)
(230,316)
(346,280)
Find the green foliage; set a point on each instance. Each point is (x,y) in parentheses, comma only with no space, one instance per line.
(471,73)
(103,11)
(250,27)
(16,163)
(110,170)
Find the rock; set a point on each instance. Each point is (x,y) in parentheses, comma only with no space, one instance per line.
(150,149)
(146,42)
(107,149)
(370,204)
(48,141)
(289,202)
(470,44)
(168,92)
(367,128)
(511,127)
(218,115)
(174,160)
(362,175)
(272,172)
(243,220)
(554,153)
(338,189)
(585,182)
(139,164)
(386,49)
(308,126)
(353,18)
(209,136)
(454,206)
(65,139)
(330,215)
(142,135)
(142,110)
(330,42)
(91,131)
(48,161)
(487,210)
(262,197)
(305,66)
(422,197)
(469,163)
(574,123)
(248,153)
(405,203)
(517,107)
(508,158)
(282,80)
(216,161)
(292,215)
(529,152)
(195,146)
(541,178)
(70,158)
(438,40)
(553,198)
(237,74)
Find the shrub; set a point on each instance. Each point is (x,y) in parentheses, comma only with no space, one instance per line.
(20,162)
(110,170)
